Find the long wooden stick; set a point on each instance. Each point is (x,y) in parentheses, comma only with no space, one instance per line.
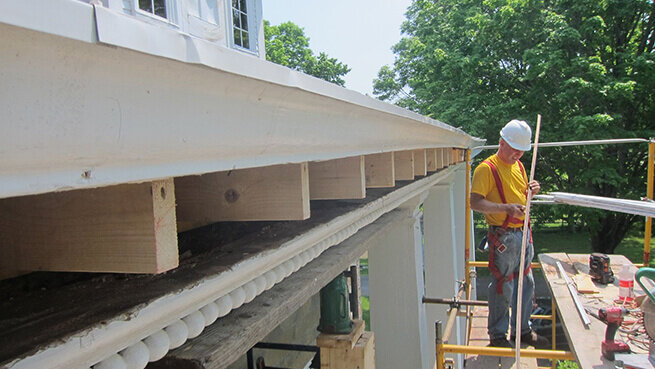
(524,242)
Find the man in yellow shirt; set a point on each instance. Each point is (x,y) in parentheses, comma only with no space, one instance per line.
(499,191)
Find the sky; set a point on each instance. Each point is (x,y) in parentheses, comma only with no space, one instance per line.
(359,33)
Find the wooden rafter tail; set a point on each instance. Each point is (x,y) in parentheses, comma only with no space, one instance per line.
(337,179)
(277,192)
(404,165)
(127,228)
(420,163)
(379,170)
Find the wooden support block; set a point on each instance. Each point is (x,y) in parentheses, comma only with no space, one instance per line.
(337,179)
(347,352)
(431,160)
(127,228)
(403,162)
(277,192)
(379,170)
(453,156)
(347,340)
(420,163)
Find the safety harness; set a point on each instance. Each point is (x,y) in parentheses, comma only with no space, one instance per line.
(494,237)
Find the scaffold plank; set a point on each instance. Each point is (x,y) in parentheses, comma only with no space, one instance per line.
(127,228)
(278,192)
(337,179)
(480,338)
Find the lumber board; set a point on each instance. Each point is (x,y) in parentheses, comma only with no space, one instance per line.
(420,163)
(230,337)
(360,356)
(277,192)
(584,342)
(337,179)
(480,338)
(127,228)
(404,165)
(431,160)
(379,170)
(347,340)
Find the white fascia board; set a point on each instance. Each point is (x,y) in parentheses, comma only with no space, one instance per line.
(78,113)
(89,347)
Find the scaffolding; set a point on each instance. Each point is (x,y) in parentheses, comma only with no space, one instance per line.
(443,335)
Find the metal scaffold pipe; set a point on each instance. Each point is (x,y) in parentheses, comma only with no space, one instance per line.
(578,143)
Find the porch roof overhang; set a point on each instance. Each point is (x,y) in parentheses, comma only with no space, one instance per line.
(91,98)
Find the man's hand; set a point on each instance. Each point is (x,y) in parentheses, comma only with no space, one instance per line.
(515,210)
(535,187)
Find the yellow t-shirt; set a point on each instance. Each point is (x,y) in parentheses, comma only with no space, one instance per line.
(515,184)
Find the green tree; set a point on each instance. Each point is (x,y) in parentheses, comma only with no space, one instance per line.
(287,45)
(586,65)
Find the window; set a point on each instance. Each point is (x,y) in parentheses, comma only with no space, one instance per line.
(156,7)
(240,24)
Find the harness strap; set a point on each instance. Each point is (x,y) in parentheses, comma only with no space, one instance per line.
(494,239)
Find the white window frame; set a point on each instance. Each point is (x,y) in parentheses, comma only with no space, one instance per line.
(253,27)
(172,16)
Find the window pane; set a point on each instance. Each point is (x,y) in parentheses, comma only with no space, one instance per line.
(246,42)
(145,5)
(236,20)
(243,7)
(244,21)
(235,4)
(160,8)
(237,37)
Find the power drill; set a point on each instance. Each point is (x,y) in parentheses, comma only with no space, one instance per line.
(613,317)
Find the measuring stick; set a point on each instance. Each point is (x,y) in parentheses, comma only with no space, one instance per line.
(524,243)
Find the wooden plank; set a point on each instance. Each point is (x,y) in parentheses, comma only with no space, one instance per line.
(584,342)
(420,163)
(404,165)
(277,192)
(347,340)
(360,356)
(230,337)
(337,179)
(379,170)
(126,228)
(480,338)
(431,159)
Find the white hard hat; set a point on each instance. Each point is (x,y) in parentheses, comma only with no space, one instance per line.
(517,134)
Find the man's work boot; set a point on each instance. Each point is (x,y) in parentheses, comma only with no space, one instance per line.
(533,339)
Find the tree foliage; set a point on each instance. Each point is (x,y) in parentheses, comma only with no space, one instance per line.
(586,65)
(287,45)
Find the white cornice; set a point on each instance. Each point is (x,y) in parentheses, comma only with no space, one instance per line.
(83,113)
(251,277)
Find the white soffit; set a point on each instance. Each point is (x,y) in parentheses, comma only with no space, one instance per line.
(88,114)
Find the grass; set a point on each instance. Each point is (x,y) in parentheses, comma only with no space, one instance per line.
(366,312)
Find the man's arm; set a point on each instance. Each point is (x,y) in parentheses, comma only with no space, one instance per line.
(482,205)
